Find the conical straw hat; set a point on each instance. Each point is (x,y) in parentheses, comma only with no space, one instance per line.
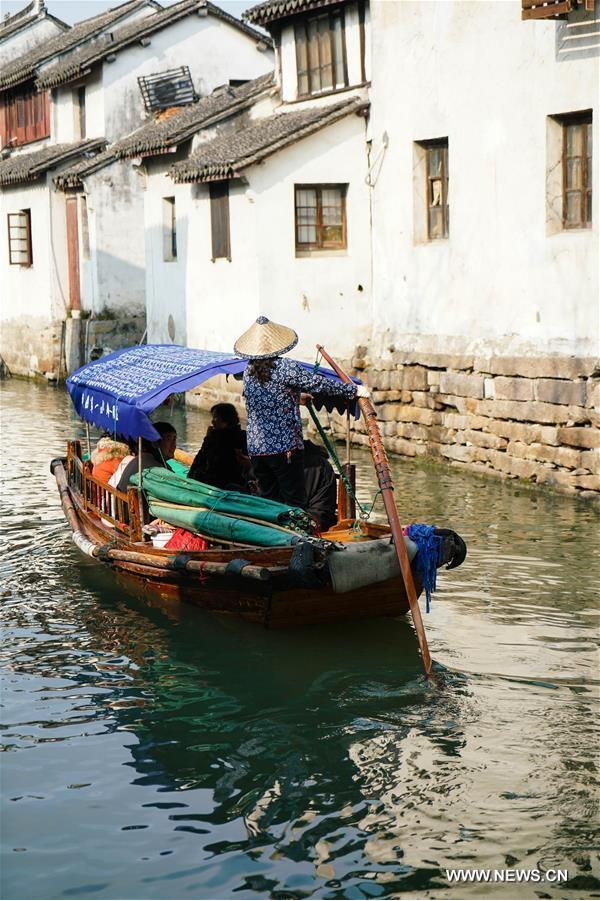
(265,339)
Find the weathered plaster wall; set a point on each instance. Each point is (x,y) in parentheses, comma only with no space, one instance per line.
(165,279)
(113,279)
(320,295)
(33,297)
(213,50)
(478,75)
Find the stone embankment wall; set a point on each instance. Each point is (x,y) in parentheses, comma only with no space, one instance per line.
(534,418)
(50,349)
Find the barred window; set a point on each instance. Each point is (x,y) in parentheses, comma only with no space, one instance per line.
(320,217)
(19,238)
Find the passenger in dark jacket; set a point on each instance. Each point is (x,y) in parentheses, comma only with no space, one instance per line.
(321,486)
(223,459)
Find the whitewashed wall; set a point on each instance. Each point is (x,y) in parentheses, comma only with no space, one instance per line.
(33,298)
(477,74)
(213,50)
(165,279)
(319,296)
(113,278)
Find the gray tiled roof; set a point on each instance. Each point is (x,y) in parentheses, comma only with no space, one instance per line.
(29,166)
(76,63)
(227,155)
(271,10)
(160,134)
(23,68)
(25,17)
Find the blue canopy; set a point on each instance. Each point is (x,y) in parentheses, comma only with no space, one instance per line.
(118,392)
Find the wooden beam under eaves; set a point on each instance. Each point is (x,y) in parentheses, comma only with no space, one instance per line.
(545,9)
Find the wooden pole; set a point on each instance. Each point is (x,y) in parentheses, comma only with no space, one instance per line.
(140,495)
(384,476)
(88,440)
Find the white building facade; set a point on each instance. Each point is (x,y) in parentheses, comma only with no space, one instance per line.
(489,99)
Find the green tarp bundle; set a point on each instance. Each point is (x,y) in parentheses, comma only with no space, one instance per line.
(223,515)
(163,485)
(220,527)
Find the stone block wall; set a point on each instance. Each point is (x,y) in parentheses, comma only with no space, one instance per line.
(534,418)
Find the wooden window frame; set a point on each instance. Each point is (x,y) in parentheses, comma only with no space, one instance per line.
(439,143)
(27,238)
(169,229)
(85,227)
(24,118)
(81,112)
(301,39)
(320,244)
(577,119)
(219,206)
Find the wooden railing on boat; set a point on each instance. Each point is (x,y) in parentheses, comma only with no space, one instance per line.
(117,510)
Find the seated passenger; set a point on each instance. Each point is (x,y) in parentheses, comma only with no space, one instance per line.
(223,459)
(320,484)
(168,440)
(107,455)
(130,465)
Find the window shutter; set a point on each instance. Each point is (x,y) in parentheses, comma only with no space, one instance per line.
(219,220)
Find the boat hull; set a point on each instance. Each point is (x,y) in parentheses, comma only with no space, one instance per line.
(266,598)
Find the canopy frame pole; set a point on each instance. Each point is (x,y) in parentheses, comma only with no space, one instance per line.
(348,436)
(88,440)
(139,491)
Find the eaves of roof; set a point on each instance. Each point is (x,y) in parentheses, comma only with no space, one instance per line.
(272,10)
(227,156)
(27,167)
(24,67)
(76,64)
(74,175)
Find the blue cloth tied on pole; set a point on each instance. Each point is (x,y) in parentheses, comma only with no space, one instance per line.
(430,549)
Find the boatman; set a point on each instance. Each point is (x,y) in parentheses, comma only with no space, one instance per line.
(272,387)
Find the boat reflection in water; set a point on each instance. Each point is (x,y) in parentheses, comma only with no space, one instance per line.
(282,735)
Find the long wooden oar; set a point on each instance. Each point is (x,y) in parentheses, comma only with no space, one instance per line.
(382,468)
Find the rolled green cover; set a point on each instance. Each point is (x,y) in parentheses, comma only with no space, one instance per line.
(220,527)
(164,485)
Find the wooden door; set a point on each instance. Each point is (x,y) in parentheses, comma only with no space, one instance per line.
(73,254)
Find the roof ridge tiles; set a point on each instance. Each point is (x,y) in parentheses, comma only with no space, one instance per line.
(23,68)
(226,155)
(73,66)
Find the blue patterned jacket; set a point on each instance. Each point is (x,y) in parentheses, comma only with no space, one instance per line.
(273,409)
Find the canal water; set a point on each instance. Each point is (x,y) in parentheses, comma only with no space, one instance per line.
(163,752)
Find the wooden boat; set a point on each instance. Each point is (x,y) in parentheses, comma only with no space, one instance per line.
(260,584)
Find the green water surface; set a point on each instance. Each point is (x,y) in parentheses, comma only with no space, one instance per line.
(163,752)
